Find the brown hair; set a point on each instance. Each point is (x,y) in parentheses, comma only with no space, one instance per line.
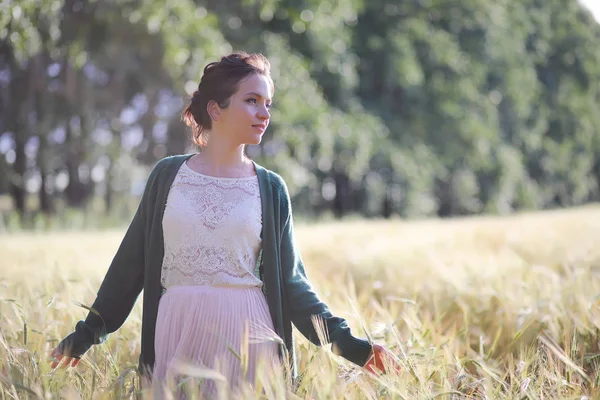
(219,82)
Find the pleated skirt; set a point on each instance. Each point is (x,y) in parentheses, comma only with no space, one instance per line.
(211,339)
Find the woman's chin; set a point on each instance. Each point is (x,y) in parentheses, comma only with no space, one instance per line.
(254,140)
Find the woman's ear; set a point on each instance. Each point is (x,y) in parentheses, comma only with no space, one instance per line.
(213,109)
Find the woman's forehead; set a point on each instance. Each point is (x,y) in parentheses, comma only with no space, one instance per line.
(257,85)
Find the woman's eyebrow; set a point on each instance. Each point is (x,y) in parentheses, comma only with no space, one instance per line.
(255,94)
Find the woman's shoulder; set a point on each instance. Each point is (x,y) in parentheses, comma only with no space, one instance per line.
(176,159)
(168,163)
(277,182)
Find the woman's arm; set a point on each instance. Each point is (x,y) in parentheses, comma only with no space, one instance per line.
(304,304)
(119,290)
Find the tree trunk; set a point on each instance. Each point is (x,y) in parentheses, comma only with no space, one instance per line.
(387,206)
(342,202)
(45,197)
(73,189)
(43,126)
(15,124)
(114,154)
(114,148)
(17,183)
(147,122)
(109,194)
(77,192)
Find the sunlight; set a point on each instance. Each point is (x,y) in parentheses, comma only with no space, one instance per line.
(593,6)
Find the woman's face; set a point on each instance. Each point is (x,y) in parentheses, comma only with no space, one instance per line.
(247,117)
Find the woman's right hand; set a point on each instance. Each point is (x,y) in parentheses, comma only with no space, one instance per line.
(376,363)
(58,357)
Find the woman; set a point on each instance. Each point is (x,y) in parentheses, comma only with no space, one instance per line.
(212,245)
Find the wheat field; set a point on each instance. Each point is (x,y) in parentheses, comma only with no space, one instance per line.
(473,308)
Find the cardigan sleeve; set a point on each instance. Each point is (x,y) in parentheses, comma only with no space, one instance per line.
(120,287)
(304,304)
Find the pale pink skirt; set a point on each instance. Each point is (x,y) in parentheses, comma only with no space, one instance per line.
(212,338)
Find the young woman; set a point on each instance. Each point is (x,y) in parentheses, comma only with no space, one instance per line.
(212,245)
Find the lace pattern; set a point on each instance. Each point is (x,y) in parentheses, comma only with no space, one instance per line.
(211,229)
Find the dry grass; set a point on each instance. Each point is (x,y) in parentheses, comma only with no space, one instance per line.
(496,308)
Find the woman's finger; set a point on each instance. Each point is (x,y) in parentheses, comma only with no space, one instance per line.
(67,362)
(56,360)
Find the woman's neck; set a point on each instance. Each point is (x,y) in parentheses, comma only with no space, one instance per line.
(222,161)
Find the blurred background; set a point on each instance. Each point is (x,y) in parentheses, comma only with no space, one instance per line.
(382,109)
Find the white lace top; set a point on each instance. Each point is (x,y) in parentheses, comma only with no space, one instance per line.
(211,229)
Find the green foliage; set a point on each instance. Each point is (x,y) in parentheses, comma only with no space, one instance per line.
(412,108)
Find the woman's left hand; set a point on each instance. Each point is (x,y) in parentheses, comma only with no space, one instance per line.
(380,358)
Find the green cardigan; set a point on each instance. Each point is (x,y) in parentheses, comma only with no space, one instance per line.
(138,261)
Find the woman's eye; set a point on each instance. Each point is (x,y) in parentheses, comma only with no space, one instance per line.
(251,100)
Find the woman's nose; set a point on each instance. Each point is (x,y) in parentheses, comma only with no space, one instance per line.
(264,114)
